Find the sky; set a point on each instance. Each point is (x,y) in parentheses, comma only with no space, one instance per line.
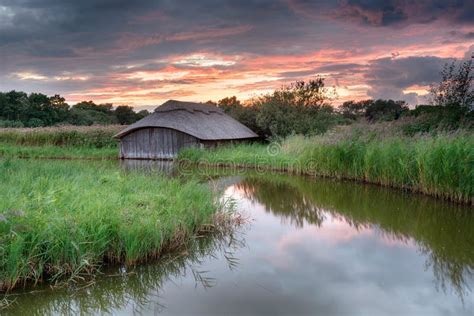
(142,53)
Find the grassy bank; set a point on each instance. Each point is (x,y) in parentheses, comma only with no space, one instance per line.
(441,165)
(65,219)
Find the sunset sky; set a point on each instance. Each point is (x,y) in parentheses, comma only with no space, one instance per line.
(142,53)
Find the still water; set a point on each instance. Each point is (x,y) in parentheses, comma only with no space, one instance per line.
(312,247)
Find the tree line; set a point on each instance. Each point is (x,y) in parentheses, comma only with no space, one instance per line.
(18,109)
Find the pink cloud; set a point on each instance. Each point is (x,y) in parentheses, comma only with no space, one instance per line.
(336,231)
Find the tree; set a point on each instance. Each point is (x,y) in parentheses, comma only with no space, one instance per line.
(355,109)
(300,108)
(91,106)
(312,93)
(229,104)
(61,107)
(89,113)
(141,114)
(14,106)
(385,110)
(456,86)
(125,115)
(245,114)
(40,112)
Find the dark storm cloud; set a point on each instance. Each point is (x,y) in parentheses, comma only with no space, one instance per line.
(396,12)
(114,27)
(389,77)
(143,29)
(131,30)
(33,20)
(404,72)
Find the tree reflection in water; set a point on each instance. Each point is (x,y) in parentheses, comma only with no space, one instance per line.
(442,231)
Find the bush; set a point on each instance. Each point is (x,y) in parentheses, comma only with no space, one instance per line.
(432,118)
(13,124)
(385,110)
(35,122)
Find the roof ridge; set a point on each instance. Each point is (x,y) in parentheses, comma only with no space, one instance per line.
(191,107)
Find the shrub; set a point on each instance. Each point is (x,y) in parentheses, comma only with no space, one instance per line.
(431,118)
(8,123)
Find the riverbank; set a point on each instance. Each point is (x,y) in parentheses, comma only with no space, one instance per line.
(440,165)
(306,236)
(64,220)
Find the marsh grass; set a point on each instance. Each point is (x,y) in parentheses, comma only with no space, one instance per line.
(117,286)
(441,165)
(65,219)
(57,152)
(97,136)
(61,142)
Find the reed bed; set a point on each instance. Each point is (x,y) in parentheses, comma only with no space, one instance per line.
(97,136)
(60,142)
(58,152)
(65,219)
(440,165)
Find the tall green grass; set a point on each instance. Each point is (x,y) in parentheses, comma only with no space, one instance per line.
(62,142)
(67,218)
(65,136)
(441,165)
(57,152)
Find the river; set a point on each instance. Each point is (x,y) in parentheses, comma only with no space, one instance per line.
(311,247)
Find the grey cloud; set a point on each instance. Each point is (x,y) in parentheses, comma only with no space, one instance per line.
(341,67)
(404,72)
(388,77)
(93,29)
(397,12)
(336,67)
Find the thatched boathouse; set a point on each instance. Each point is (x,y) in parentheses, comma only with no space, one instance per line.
(175,125)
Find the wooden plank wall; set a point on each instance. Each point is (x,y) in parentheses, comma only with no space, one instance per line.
(155,143)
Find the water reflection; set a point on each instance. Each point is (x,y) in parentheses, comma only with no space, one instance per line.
(132,289)
(315,247)
(443,232)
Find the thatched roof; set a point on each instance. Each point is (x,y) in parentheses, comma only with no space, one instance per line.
(203,121)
